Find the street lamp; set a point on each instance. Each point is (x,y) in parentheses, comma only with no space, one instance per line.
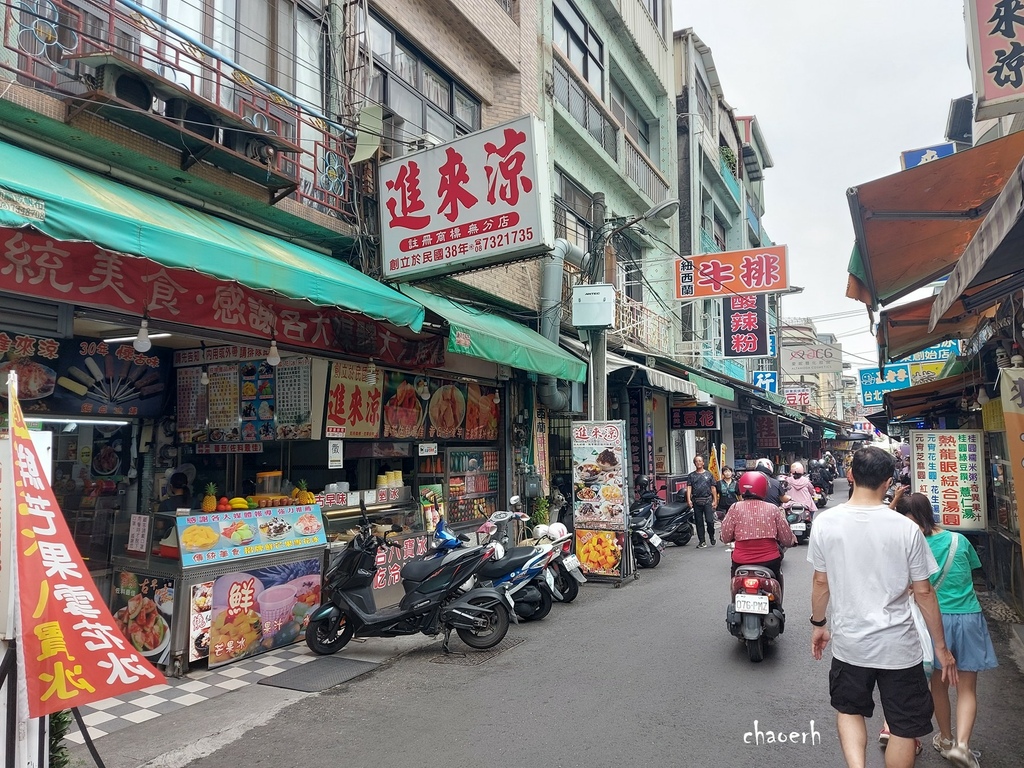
(594,265)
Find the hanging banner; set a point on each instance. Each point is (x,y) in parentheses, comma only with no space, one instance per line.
(731,273)
(745,325)
(948,467)
(994,52)
(353,403)
(71,650)
(766,433)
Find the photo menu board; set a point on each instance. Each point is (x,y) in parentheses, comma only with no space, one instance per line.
(422,407)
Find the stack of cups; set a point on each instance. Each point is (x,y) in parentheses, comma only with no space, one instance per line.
(382,481)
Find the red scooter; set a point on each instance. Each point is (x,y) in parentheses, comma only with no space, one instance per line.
(755,612)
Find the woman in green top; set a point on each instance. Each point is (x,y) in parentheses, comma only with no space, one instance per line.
(964,626)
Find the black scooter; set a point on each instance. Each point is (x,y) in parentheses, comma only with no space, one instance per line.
(673,521)
(432,603)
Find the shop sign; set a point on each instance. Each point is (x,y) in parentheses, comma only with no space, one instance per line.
(540,448)
(938,353)
(428,449)
(1011,388)
(219,537)
(353,402)
(636,438)
(811,358)
(70,650)
(143,607)
(244,614)
(80,273)
(796,396)
(600,477)
(745,325)
(732,273)
(335,454)
(82,376)
(949,468)
(699,417)
(766,432)
(219,449)
(911,158)
(421,407)
(766,380)
(901,375)
(481,199)
(995,55)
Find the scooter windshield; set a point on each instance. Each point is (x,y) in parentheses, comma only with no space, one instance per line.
(443,537)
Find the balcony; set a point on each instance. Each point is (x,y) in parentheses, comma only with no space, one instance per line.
(753,222)
(126,69)
(573,94)
(730,178)
(643,173)
(707,242)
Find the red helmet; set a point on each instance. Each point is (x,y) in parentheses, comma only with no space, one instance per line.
(753,484)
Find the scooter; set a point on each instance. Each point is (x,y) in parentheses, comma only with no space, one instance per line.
(799,518)
(565,566)
(432,603)
(755,614)
(820,497)
(673,522)
(647,545)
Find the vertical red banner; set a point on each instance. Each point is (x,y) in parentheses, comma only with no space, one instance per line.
(72,651)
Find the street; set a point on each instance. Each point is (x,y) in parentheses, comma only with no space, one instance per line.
(642,675)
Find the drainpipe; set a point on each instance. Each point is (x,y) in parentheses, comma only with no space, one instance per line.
(548,392)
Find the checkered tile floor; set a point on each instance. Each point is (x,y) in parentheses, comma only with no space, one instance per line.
(111,715)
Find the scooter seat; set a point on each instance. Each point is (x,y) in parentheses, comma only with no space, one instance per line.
(758,571)
(669,510)
(418,570)
(514,559)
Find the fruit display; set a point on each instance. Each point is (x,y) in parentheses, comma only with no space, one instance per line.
(302,494)
(210,499)
(196,538)
(598,551)
(238,503)
(239,532)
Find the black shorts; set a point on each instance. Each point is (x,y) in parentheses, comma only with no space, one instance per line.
(906,697)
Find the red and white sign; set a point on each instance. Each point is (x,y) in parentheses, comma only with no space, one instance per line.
(353,404)
(995,40)
(797,396)
(766,432)
(812,358)
(72,650)
(481,199)
(714,275)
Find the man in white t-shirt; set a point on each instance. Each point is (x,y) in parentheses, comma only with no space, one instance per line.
(865,557)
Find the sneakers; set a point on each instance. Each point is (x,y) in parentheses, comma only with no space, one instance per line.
(712,541)
(883,737)
(702,545)
(961,756)
(942,746)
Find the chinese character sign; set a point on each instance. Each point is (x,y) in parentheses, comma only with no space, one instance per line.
(811,358)
(699,417)
(715,275)
(766,433)
(949,468)
(873,386)
(996,43)
(354,405)
(912,158)
(797,396)
(1011,388)
(766,380)
(73,650)
(600,477)
(481,199)
(745,325)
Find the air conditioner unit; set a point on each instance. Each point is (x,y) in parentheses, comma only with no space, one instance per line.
(191,117)
(426,141)
(250,146)
(124,85)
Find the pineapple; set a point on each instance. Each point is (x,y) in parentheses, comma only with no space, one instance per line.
(210,499)
(304,496)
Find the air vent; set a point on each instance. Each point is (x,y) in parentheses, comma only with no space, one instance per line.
(36,318)
(960,124)
(191,117)
(124,86)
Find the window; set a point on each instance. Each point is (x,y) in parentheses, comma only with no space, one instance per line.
(630,118)
(419,98)
(572,211)
(653,7)
(629,268)
(577,40)
(704,103)
(719,234)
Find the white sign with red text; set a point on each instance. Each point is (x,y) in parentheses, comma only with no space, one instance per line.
(482,199)
(812,358)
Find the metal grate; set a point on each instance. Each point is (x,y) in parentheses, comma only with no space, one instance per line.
(475,658)
(320,675)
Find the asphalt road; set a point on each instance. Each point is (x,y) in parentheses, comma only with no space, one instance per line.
(645,674)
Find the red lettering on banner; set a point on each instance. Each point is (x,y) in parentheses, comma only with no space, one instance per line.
(408,200)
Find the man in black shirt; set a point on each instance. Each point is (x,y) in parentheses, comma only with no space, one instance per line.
(702,495)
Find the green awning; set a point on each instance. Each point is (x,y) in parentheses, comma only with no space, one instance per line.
(491,337)
(67,203)
(828,434)
(789,413)
(711,387)
(772,397)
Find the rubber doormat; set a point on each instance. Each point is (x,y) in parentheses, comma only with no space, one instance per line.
(319,675)
(471,658)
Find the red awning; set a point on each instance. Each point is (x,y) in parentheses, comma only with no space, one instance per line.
(903,330)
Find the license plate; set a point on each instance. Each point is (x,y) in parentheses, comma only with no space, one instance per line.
(655,539)
(751,603)
(798,527)
(571,562)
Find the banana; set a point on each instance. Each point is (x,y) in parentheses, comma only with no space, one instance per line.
(239,503)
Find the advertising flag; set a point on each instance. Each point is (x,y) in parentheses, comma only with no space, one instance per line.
(73,651)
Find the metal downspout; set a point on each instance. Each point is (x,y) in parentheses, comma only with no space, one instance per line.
(548,391)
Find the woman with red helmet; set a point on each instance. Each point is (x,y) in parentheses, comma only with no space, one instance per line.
(759,528)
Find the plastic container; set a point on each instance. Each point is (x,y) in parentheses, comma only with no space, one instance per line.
(268,483)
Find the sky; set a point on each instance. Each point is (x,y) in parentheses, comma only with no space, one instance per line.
(839,90)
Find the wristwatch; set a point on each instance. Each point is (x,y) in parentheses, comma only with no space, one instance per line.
(818,623)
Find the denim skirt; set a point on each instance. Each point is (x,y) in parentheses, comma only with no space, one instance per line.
(968,638)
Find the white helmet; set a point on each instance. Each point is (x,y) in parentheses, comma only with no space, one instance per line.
(557,531)
(766,463)
(540,531)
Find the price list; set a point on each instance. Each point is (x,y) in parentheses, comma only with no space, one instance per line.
(294,399)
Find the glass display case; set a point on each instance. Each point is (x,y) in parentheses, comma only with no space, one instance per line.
(1001,477)
(460,483)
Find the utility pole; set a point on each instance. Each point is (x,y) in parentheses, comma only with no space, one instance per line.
(598,338)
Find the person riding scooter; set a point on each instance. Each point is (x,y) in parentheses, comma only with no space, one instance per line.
(776,492)
(821,476)
(801,491)
(759,528)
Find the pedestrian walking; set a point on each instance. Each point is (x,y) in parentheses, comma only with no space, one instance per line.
(727,492)
(964,626)
(702,496)
(865,556)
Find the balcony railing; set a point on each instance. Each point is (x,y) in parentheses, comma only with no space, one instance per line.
(707,242)
(755,225)
(509,6)
(589,112)
(730,178)
(47,43)
(638,324)
(640,169)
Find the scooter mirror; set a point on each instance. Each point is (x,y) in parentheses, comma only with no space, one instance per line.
(396,528)
(463,537)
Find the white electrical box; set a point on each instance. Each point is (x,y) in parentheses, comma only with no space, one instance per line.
(593,306)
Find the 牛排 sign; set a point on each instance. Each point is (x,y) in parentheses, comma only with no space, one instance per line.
(732,273)
(481,199)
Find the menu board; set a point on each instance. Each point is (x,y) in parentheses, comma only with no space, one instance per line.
(223,403)
(948,467)
(422,407)
(406,398)
(218,537)
(353,403)
(257,396)
(294,399)
(599,475)
(243,614)
(143,608)
(482,413)
(600,552)
(191,413)
(83,376)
